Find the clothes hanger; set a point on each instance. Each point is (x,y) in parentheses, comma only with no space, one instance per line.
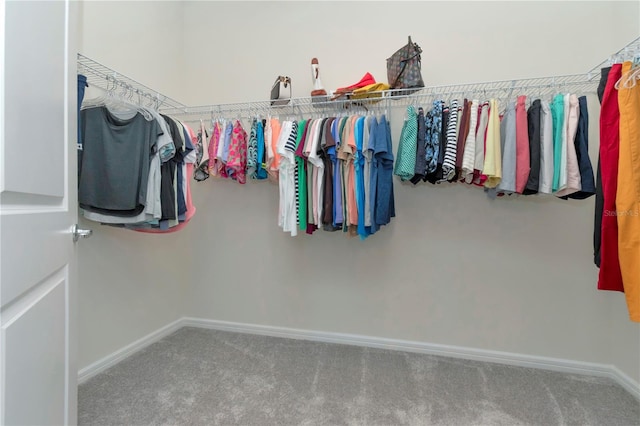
(102,96)
(125,103)
(628,80)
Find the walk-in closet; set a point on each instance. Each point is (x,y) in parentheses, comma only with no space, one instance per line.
(319,260)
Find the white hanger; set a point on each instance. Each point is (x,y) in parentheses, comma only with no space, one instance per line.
(119,102)
(628,80)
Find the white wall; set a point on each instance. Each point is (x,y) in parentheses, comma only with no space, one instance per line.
(131,284)
(248,44)
(452,268)
(140,39)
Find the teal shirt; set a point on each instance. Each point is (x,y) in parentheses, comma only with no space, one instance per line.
(406,161)
(302,180)
(557,114)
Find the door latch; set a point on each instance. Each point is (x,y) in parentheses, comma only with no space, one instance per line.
(80,233)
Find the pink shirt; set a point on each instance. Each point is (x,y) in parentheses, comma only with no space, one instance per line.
(523,161)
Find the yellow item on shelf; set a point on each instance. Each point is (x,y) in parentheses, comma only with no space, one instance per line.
(369,91)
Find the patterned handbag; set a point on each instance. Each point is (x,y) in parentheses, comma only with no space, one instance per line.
(404,67)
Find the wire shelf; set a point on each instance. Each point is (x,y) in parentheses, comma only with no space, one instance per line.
(385,100)
(630,51)
(106,78)
(101,76)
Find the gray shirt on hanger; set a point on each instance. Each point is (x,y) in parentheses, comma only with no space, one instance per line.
(115,164)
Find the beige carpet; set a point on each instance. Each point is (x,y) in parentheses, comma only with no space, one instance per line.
(206,377)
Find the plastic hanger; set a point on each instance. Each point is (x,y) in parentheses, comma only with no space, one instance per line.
(628,80)
(118,103)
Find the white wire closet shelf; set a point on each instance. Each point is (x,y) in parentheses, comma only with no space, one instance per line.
(106,78)
(101,76)
(503,89)
(629,52)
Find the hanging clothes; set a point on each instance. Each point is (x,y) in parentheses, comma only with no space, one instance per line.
(470,143)
(329,155)
(437,175)
(547,149)
(252,150)
(112,160)
(367,154)
(359,135)
(201,171)
(335,173)
(463,132)
(535,147)
(190,210)
(610,276)
(261,172)
(407,148)
(300,175)
(492,168)
(385,202)
(523,160)
(481,142)
(421,149)
(628,187)
(449,163)
(581,143)
(273,158)
(223,149)
(350,173)
(82,85)
(599,206)
(287,211)
(508,144)
(237,157)
(559,159)
(135,169)
(573,170)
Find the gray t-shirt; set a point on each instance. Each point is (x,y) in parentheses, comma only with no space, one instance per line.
(115,162)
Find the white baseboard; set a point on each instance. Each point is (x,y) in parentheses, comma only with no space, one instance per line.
(519,360)
(119,355)
(625,381)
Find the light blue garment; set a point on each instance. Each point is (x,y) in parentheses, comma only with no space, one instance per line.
(373,182)
(227,140)
(508,141)
(383,156)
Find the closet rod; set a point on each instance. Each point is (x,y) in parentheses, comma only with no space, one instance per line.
(395,98)
(101,76)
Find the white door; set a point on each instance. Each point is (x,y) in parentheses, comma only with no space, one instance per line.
(38,370)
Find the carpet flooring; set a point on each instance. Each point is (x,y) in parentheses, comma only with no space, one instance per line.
(207,377)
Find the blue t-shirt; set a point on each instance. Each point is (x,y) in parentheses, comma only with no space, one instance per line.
(383,155)
(373,177)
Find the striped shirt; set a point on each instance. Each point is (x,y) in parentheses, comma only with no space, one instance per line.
(449,164)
